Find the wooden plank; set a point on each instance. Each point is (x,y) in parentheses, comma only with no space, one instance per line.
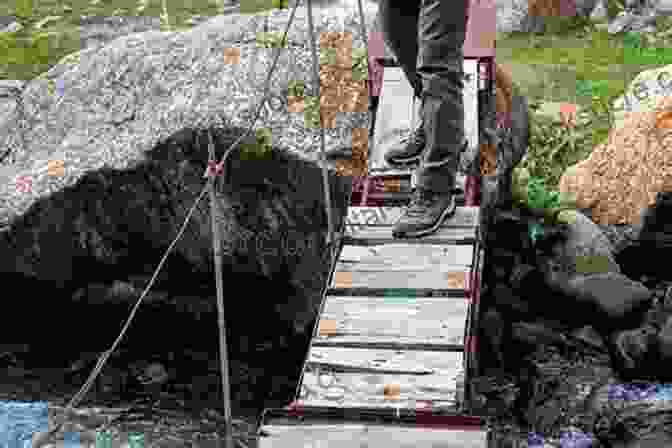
(404,174)
(445,277)
(393,199)
(401,292)
(376,361)
(371,235)
(388,216)
(405,321)
(347,360)
(444,387)
(335,435)
(393,255)
(394,189)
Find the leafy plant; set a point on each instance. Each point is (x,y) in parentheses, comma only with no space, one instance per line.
(328,56)
(296,88)
(312,112)
(531,192)
(271,40)
(553,147)
(281,4)
(262,149)
(360,64)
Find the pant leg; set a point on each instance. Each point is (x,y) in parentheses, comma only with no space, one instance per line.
(399,23)
(442,29)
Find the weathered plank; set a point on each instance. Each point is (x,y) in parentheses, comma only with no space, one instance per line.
(393,199)
(404,321)
(395,191)
(371,235)
(335,435)
(431,277)
(388,216)
(444,387)
(392,255)
(383,362)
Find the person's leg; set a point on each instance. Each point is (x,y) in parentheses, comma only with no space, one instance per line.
(399,25)
(442,31)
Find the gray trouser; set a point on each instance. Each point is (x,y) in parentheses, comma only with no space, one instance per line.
(426,37)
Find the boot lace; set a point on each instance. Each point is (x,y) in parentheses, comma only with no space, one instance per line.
(421,201)
(416,137)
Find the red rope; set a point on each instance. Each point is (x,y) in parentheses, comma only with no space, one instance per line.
(214,169)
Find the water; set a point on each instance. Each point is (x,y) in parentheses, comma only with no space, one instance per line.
(20,420)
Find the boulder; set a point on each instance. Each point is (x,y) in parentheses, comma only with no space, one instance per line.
(585,8)
(599,12)
(530,16)
(586,250)
(95,31)
(665,340)
(141,88)
(643,93)
(114,162)
(652,241)
(113,226)
(614,297)
(621,176)
(511,15)
(662,7)
(607,301)
(655,227)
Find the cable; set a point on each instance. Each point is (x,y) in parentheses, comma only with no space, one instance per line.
(217,168)
(106,354)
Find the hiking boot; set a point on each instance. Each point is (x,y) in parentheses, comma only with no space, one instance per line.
(408,150)
(340,153)
(425,214)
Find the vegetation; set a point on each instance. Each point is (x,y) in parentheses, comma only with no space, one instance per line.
(575,61)
(580,64)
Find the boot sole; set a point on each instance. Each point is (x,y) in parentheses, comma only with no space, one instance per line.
(404,163)
(447,213)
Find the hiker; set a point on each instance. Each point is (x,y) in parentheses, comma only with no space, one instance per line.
(426,37)
(432,63)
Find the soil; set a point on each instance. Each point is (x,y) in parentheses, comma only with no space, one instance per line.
(187,407)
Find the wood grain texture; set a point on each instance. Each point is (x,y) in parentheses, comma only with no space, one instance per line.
(443,387)
(405,321)
(393,255)
(388,216)
(432,278)
(369,436)
(371,235)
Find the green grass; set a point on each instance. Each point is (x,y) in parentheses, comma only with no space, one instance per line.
(562,67)
(37,47)
(547,67)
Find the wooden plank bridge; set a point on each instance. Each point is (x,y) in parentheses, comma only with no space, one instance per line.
(394,346)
